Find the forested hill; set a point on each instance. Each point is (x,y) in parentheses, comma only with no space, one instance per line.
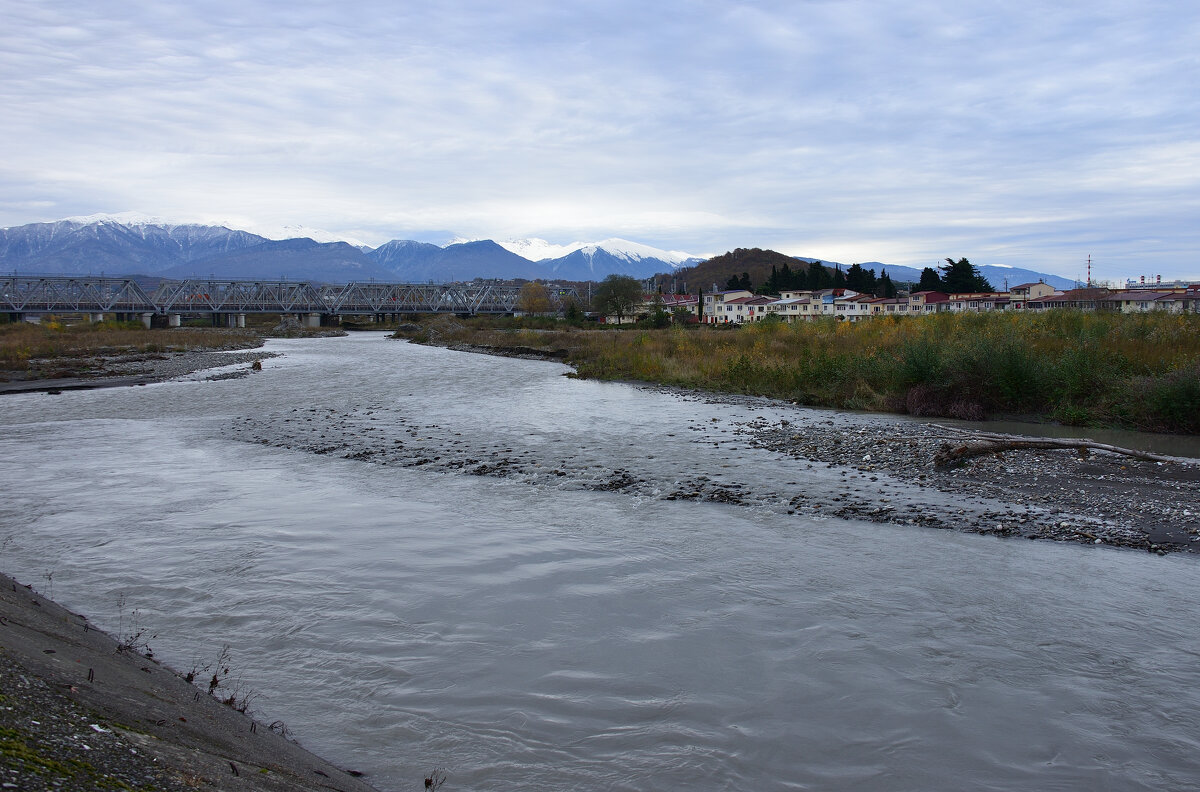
(755,262)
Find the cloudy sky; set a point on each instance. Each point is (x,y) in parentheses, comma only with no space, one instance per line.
(1029,133)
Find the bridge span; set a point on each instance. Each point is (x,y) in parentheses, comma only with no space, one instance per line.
(24,296)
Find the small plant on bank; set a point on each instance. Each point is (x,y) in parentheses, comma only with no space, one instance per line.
(131,636)
(281,728)
(5,543)
(232,694)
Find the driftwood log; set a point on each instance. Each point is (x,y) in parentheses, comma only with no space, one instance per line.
(968,445)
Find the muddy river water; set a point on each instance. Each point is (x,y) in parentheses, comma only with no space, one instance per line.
(425,558)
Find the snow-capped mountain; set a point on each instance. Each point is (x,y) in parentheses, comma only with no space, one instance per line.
(303,232)
(266,231)
(580,261)
(77,246)
(536,249)
(634,251)
(136,244)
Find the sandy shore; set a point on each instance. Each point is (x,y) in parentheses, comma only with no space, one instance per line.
(79,713)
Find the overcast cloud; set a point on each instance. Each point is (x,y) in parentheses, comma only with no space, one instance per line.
(1024,133)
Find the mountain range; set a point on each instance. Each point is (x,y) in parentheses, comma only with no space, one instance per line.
(104,245)
(107,245)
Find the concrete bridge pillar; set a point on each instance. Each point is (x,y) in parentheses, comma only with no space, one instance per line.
(147,320)
(314,320)
(96,318)
(174,320)
(235,320)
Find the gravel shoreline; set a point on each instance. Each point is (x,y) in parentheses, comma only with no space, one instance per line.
(111,371)
(1059,495)
(1097,498)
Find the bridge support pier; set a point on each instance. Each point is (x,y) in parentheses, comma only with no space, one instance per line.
(174,320)
(147,320)
(314,320)
(95,318)
(235,320)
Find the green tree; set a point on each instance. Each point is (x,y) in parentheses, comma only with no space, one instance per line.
(818,277)
(658,316)
(572,312)
(961,276)
(885,286)
(930,280)
(617,295)
(861,280)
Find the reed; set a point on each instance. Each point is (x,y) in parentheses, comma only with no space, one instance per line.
(1139,371)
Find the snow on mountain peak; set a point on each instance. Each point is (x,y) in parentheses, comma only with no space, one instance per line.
(276,232)
(302,232)
(634,251)
(536,249)
(124,218)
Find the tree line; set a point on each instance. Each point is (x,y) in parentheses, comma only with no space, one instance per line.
(956,277)
(817,276)
(620,294)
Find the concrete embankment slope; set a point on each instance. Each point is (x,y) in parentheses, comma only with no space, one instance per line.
(78,714)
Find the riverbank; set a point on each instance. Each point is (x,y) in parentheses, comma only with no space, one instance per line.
(55,357)
(79,711)
(1058,495)
(1127,371)
(1092,498)
(122,370)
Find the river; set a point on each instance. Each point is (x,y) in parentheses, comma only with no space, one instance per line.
(498,582)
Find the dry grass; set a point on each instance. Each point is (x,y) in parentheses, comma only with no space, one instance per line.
(1075,367)
(21,342)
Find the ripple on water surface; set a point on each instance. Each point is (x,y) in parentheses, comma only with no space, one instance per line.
(525,635)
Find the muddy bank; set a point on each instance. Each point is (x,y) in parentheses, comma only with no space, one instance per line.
(78,711)
(119,370)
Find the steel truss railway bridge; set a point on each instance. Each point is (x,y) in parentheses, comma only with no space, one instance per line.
(229,301)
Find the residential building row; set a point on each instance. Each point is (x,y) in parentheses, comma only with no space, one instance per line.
(740,305)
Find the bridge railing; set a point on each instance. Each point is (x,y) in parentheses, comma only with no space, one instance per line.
(31,294)
(20,294)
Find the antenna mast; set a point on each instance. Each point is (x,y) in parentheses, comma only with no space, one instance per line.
(1089,282)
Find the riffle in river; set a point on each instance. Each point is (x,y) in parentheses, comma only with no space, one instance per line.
(552,614)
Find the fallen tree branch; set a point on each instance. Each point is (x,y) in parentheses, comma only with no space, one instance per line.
(982,443)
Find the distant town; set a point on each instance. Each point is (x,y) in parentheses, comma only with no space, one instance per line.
(742,305)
